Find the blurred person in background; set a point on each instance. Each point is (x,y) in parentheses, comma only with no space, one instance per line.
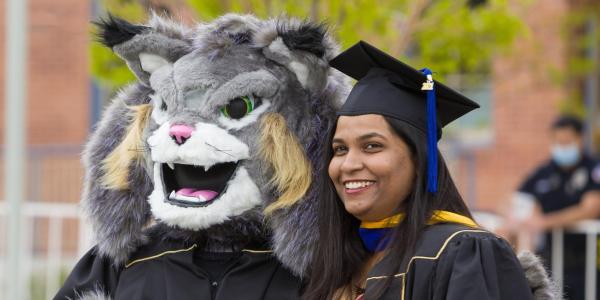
(563,190)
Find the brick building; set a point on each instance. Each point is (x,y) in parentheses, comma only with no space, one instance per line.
(58,86)
(525,102)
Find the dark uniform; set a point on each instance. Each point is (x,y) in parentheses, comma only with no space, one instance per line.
(555,189)
(454,262)
(166,269)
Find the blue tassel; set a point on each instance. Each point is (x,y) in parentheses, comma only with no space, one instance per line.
(432,163)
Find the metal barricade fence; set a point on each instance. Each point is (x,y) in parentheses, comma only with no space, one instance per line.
(51,265)
(591,229)
(52,235)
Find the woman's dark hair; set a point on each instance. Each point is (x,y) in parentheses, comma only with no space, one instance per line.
(340,255)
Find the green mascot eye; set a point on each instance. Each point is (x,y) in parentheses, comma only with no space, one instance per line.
(239,107)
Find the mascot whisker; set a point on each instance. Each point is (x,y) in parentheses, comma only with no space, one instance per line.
(201,177)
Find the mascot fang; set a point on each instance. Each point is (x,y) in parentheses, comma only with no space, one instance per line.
(201,176)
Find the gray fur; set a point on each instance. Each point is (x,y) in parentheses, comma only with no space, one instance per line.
(166,38)
(224,32)
(269,40)
(541,284)
(299,223)
(168,27)
(97,294)
(212,64)
(117,216)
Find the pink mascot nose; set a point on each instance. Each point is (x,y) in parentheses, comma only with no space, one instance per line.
(180,133)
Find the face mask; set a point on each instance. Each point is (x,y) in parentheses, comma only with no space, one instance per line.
(565,156)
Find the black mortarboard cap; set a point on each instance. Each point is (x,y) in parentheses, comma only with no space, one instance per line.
(392,88)
(389,87)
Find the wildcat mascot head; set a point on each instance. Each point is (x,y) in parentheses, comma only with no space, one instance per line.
(219,140)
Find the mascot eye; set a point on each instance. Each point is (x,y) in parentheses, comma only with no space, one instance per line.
(239,107)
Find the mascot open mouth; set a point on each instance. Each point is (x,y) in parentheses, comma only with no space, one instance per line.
(193,186)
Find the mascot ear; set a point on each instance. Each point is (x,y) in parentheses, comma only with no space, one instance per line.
(303,47)
(145,48)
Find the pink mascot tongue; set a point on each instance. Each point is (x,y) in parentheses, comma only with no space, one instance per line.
(205,194)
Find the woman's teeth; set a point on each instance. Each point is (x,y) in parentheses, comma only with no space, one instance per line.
(357,184)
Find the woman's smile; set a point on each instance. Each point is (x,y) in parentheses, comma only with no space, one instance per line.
(355,187)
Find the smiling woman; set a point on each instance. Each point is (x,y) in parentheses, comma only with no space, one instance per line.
(392,222)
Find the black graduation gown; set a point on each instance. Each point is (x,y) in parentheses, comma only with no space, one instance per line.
(176,271)
(454,262)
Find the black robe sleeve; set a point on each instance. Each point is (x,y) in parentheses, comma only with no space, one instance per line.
(93,274)
(480,267)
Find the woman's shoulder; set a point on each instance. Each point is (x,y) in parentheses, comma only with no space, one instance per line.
(474,243)
(472,254)
(438,238)
(450,244)
(477,236)
(469,258)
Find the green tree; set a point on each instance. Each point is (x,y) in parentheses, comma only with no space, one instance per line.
(108,69)
(448,36)
(582,30)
